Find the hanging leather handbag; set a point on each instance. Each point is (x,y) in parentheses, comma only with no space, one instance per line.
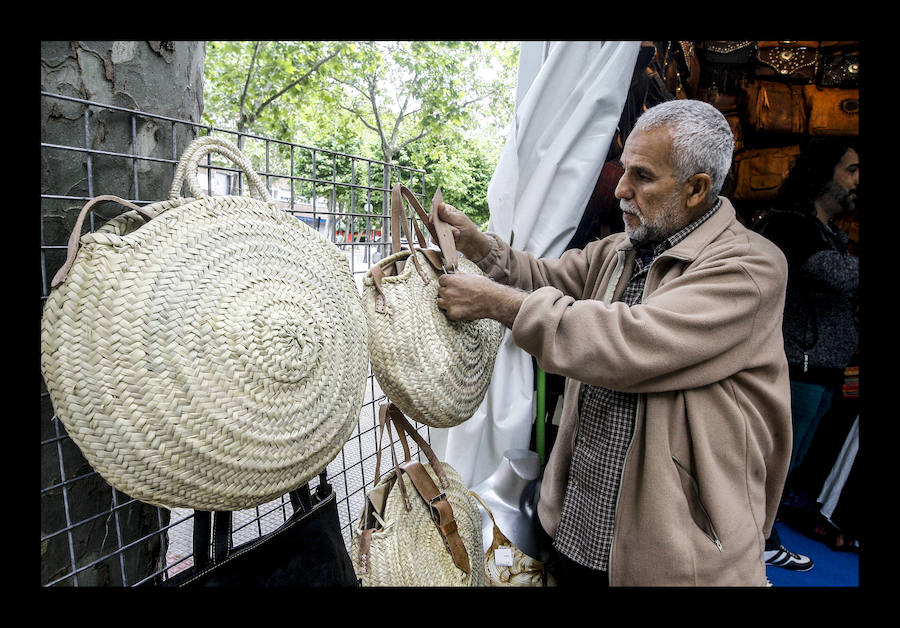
(839,69)
(773,107)
(419,526)
(436,370)
(682,69)
(730,52)
(832,110)
(307,550)
(759,173)
(792,61)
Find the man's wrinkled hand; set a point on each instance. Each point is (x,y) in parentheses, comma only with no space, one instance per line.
(464,296)
(474,244)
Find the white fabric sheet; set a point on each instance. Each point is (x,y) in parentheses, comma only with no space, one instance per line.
(569,98)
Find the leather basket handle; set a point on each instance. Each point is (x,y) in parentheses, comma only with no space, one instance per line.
(75,236)
(439,230)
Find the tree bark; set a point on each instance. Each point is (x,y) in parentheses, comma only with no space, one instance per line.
(159,77)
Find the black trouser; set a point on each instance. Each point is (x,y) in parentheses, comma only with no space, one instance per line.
(570,574)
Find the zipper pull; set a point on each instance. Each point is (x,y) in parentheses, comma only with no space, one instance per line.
(805,362)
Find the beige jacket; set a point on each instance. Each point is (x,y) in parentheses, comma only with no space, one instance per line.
(712,439)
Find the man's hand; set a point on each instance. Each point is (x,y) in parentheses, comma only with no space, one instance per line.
(464,296)
(468,238)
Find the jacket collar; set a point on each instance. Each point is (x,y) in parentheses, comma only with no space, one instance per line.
(691,246)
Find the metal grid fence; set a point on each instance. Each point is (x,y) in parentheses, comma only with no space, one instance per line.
(92,534)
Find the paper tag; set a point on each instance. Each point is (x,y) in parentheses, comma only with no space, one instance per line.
(503,557)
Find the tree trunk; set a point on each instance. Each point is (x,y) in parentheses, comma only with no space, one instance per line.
(159,77)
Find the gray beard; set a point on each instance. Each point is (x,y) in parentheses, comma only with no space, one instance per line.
(667,221)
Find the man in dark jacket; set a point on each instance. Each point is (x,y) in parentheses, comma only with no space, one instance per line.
(820,325)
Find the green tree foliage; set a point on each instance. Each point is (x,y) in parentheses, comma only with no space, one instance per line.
(444,107)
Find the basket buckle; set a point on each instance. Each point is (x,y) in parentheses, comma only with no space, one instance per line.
(434,513)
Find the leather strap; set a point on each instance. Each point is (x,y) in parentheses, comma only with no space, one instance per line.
(440,231)
(441,512)
(398,218)
(402,424)
(365,545)
(444,234)
(202,526)
(385,424)
(75,236)
(221,535)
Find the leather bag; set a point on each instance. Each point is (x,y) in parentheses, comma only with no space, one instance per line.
(759,173)
(731,52)
(773,107)
(682,69)
(832,110)
(419,526)
(307,550)
(793,61)
(723,71)
(436,370)
(839,69)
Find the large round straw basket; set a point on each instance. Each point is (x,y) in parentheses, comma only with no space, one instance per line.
(213,357)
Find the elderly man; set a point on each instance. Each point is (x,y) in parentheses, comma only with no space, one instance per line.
(675,436)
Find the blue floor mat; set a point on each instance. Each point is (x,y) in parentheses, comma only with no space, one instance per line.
(830,568)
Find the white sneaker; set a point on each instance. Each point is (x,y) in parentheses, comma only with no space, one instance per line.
(788,560)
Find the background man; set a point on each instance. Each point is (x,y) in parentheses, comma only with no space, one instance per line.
(820,327)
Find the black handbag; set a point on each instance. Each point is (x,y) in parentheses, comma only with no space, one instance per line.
(307,550)
(839,69)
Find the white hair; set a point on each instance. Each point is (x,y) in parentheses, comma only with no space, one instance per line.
(702,140)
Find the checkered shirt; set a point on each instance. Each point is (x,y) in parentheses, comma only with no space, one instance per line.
(605,428)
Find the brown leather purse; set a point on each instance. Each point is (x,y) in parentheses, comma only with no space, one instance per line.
(832,110)
(759,173)
(775,107)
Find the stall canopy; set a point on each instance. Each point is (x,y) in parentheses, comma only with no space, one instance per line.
(569,98)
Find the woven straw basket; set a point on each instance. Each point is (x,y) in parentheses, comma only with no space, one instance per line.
(436,370)
(212,357)
(404,538)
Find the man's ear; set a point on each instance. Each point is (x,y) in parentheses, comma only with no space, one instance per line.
(697,190)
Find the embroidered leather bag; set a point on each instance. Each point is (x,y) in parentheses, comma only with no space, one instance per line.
(793,61)
(839,69)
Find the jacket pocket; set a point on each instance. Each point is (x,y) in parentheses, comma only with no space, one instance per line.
(698,511)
